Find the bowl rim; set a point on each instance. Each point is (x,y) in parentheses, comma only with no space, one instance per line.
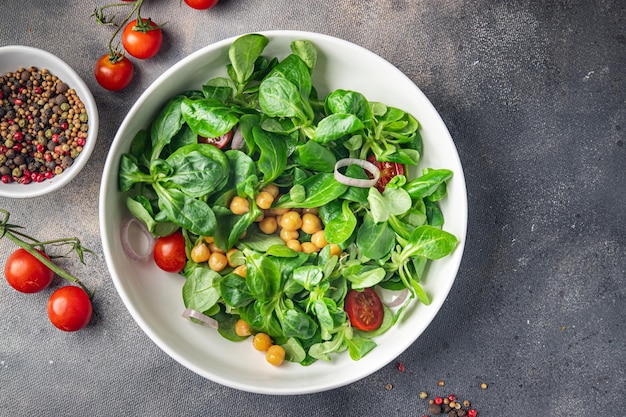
(14,190)
(137,315)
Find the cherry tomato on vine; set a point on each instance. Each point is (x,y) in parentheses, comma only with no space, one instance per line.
(388,170)
(26,273)
(219,142)
(169,252)
(201,4)
(69,308)
(143,40)
(113,75)
(364,309)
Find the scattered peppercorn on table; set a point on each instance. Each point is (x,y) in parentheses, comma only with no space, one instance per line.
(533,96)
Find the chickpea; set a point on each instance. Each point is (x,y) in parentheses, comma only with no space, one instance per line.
(312,210)
(335,250)
(241,270)
(294,244)
(311,223)
(262,342)
(214,248)
(218,261)
(308,247)
(275,355)
(209,239)
(200,253)
(231,257)
(239,205)
(291,221)
(272,189)
(319,239)
(286,235)
(260,218)
(242,328)
(268,225)
(264,200)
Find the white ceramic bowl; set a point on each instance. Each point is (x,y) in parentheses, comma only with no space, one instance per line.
(154,297)
(14,57)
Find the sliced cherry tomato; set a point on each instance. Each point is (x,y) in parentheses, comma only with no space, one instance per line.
(201,4)
(26,273)
(364,309)
(69,308)
(113,75)
(221,141)
(169,252)
(143,40)
(388,170)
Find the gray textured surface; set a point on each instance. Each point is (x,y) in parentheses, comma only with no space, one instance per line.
(534,96)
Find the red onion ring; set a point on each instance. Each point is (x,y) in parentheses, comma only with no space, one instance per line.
(205,320)
(356,182)
(128,247)
(237,140)
(392,298)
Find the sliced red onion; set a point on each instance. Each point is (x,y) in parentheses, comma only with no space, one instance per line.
(205,320)
(356,182)
(237,141)
(138,245)
(392,298)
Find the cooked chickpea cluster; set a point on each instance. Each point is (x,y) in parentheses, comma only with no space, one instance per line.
(274,354)
(288,224)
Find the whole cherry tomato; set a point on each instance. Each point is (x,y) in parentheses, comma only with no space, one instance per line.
(26,273)
(364,309)
(169,252)
(201,4)
(113,74)
(388,170)
(69,308)
(143,40)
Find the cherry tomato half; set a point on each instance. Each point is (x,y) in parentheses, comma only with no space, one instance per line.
(169,252)
(201,4)
(364,309)
(388,170)
(113,76)
(142,41)
(26,273)
(69,308)
(219,142)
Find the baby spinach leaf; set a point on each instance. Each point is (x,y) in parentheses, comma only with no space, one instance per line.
(350,102)
(234,290)
(187,212)
(279,97)
(308,276)
(428,183)
(198,169)
(375,240)
(359,346)
(312,155)
(295,70)
(341,226)
(336,126)
(243,54)
(320,189)
(273,158)
(166,125)
(208,117)
(201,288)
(307,51)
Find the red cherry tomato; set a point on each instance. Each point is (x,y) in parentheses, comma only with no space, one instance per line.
(388,170)
(113,76)
(26,273)
(141,41)
(219,142)
(201,4)
(364,309)
(169,252)
(69,308)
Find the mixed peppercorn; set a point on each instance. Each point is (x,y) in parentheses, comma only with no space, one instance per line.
(43,126)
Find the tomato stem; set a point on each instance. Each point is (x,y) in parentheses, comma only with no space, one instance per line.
(10,231)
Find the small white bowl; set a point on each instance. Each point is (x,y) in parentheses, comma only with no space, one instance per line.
(154,297)
(14,57)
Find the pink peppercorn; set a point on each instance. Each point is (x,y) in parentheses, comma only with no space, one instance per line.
(438,400)
(472,412)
